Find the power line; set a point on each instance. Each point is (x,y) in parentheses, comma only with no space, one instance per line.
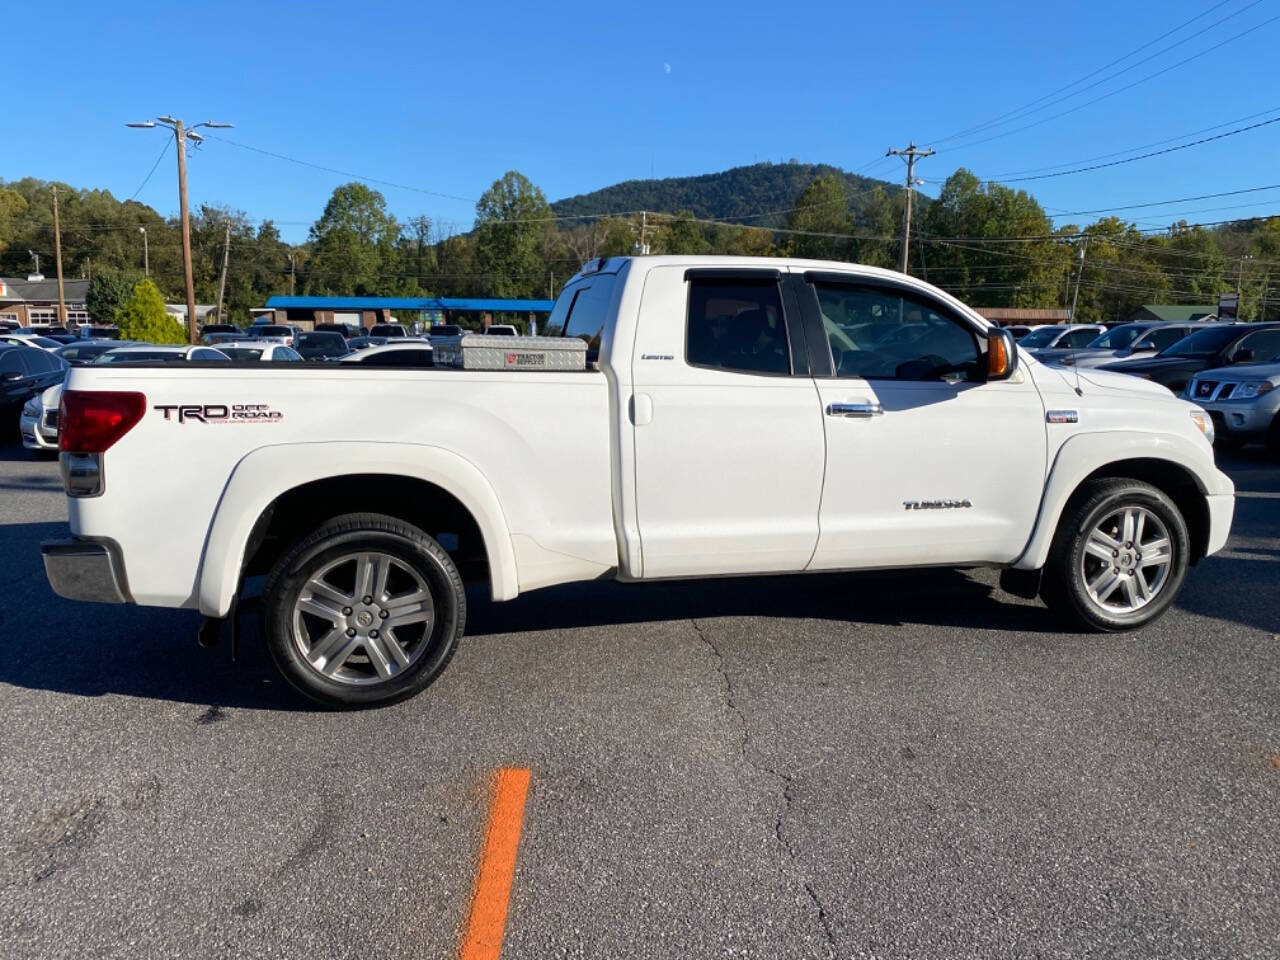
(163,151)
(990,123)
(1130,86)
(1165,203)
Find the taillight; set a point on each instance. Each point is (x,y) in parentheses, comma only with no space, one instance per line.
(90,421)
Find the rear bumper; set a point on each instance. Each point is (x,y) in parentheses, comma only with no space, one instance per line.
(90,570)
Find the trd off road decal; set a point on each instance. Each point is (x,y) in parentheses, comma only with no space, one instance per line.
(220,412)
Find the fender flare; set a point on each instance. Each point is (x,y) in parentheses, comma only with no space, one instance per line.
(269,472)
(1086,453)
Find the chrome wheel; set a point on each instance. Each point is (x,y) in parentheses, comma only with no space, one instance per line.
(1127,560)
(363,619)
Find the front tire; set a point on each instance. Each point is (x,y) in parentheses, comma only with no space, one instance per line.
(1119,556)
(366,611)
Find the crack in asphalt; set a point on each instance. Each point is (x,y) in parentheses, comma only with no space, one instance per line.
(785,779)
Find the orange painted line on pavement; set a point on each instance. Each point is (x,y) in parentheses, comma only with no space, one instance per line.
(488,920)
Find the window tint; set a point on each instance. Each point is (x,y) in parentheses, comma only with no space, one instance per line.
(11,361)
(214,355)
(1117,338)
(284,353)
(585,313)
(1161,338)
(1040,337)
(737,325)
(1202,343)
(243,353)
(883,334)
(1265,344)
(401,358)
(1078,338)
(40,362)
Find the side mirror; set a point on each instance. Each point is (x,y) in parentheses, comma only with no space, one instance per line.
(1244,355)
(1002,354)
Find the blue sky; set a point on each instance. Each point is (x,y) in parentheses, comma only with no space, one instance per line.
(445,98)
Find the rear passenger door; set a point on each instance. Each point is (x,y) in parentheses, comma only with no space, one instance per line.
(727,429)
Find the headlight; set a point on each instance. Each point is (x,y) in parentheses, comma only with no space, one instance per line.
(1251,389)
(1204,422)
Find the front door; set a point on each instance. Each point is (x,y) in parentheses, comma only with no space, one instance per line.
(926,462)
(728,432)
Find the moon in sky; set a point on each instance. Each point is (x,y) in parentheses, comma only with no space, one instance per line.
(666,68)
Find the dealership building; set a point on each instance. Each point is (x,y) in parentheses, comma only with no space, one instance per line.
(33,301)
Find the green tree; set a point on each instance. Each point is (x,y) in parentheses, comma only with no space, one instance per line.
(143,317)
(513,237)
(822,213)
(353,244)
(109,291)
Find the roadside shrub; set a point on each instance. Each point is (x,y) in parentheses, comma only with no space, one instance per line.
(143,317)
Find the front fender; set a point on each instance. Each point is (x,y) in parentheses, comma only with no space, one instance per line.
(269,472)
(1086,453)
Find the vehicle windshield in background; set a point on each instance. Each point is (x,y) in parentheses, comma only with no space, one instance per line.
(1202,343)
(242,353)
(84,352)
(1039,338)
(272,330)
(387,330)
(219,328)
(1117,339)
(446,330)
(141,356)
(314,346)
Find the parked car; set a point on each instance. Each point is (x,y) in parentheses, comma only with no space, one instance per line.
(693,448)
(1120,343)
(1061,335)
(8,326)
(209,329)
(446,330)
(86,351)
(217,339)
(38,422)
(161,353)
(23,374)
(388,330)
(501,330)
(98,332)
(262,350)
(1217,345)
(44,330)
(274,331)
(348,330)
(1244,402)
(29,340)
(363,343)
(1019,330)
(321,345)
(396,352)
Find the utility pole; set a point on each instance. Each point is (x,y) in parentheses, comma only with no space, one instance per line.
(291,274)
(1076,296)
(222,279)
(146,258)
(57,256)
(642,248)
(912,154)
(182,133)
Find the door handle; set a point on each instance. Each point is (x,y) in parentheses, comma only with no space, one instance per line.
(862,410)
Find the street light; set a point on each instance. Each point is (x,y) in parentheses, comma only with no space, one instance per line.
(181,134)
(146,260)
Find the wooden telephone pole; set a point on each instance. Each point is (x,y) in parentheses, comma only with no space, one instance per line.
(912,154)
(57,256)
(222,279)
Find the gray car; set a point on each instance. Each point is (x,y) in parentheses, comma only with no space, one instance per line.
(1120,343)
(1054,335)
(1243,400)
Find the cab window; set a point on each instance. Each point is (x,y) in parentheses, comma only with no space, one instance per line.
(880,333)
(737,325)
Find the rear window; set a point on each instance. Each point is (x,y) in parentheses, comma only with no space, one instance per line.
(581,310)
(241,353)
(1118,337)
(140,356)
(401,358)
(273,331)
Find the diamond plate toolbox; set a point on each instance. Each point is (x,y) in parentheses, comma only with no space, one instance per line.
(476,351)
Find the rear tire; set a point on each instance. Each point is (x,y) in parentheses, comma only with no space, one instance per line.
(366,611)
(1147,550)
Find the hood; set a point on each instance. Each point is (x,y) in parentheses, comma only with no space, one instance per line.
(1242,371)
(1123,382)
(1149,363)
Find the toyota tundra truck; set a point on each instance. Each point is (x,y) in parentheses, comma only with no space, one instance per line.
(733,416)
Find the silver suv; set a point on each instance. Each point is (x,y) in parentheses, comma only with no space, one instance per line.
(1243,400)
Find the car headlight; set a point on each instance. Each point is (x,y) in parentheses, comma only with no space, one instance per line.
(1252,388)
(1204,422)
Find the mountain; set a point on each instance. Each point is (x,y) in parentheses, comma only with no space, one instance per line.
(739,192)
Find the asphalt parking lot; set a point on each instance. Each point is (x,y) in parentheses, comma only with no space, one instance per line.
(883,765)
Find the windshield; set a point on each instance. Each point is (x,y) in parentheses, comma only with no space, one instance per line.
(1117,339)
(1202,343)
(1040,338)
(271,331)
(139,356)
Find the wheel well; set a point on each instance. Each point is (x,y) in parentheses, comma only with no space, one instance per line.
(1176,482)
(297,512)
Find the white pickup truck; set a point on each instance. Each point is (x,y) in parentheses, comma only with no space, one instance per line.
(736,416)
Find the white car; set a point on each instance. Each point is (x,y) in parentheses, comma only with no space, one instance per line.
(694,417)
(31,340)
(397,352)
(161,353)
(38,421)
(264,350)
